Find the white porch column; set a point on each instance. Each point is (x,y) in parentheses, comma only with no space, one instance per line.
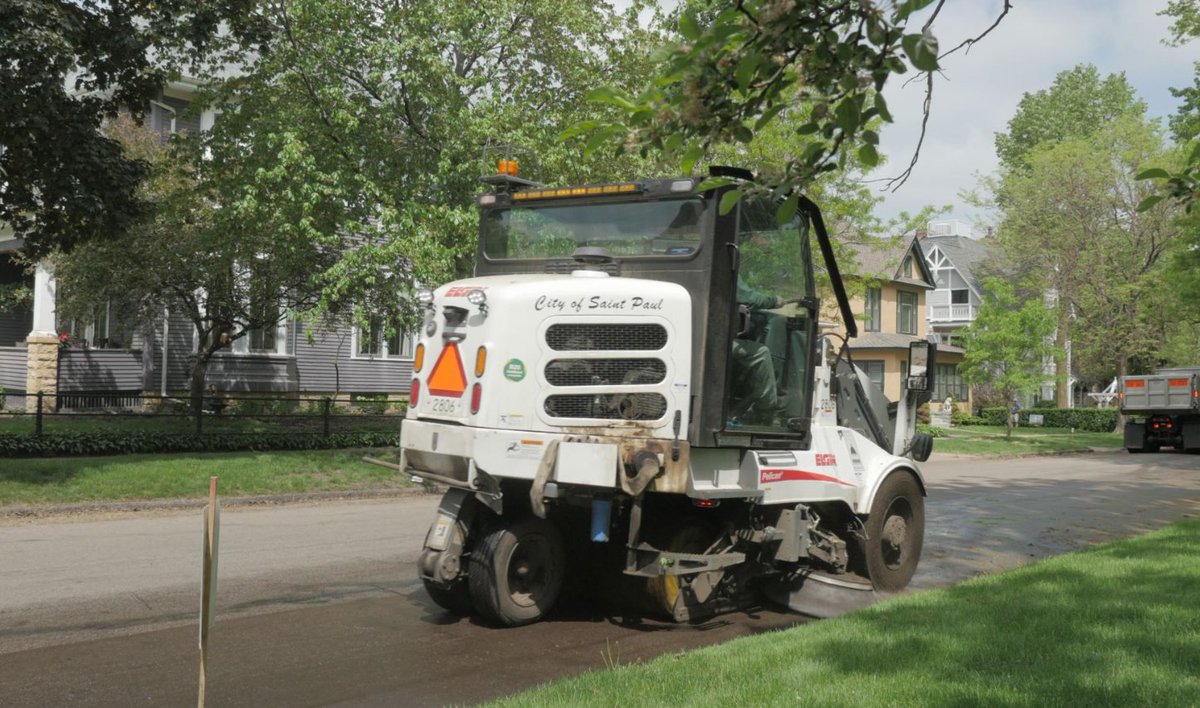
(41,371)
(45,294)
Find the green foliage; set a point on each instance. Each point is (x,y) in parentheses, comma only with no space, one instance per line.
(67,67)
(931,430)
(736,69)
(958,417)
(378,115)
(1006,345)
(1072,226)
(1094,420)
(377,404)
(123,443)
(1075,105)
(1182,183)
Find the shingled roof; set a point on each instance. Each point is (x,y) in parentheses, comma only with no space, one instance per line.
(966,254)
(880,259)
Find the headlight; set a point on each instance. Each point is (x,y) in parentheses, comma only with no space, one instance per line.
(425,297)
(477,298)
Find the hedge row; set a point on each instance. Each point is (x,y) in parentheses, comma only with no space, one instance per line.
(119,443)
(1095,420)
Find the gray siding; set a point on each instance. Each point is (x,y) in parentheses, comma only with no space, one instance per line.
(100,370)
(252,373)
(326,365)
(13,361)
(179,336)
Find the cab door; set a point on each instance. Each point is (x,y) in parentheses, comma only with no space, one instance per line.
(768,391)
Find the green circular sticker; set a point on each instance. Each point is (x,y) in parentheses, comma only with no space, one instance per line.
(514,370)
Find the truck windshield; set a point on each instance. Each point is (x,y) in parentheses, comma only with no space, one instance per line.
(666,228)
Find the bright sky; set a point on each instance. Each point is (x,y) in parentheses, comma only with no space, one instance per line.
(978,92)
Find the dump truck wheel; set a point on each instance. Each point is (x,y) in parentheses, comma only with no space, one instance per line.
(516,572)
(895,532)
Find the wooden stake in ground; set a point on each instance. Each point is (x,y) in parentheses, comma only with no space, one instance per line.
(208,586)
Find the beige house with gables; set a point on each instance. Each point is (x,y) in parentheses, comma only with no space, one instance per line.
(891,312)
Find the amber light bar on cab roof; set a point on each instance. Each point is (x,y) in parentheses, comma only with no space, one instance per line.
(592,191)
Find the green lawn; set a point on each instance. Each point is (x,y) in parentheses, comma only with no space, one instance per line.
(991,440)
(1116,625)
(61,480)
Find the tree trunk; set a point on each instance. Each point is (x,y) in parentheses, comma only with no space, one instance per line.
(1062,372)
(196,383)
(1009,397)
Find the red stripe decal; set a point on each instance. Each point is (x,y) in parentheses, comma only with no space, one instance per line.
(778,475)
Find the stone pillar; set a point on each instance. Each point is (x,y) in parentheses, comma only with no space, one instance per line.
(41,370)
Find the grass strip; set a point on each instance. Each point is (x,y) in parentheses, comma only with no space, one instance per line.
(992,440)
(129,477)
(1116,625)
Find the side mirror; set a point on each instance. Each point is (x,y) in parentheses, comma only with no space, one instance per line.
(921,357)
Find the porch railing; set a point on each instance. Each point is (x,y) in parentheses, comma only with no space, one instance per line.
(952,313)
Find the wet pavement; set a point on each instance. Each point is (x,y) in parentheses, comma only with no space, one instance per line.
(375,639)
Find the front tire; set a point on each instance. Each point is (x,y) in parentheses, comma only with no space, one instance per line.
(455,599)
(895,532)
(516,572)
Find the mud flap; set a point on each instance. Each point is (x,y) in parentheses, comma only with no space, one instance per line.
(820,595)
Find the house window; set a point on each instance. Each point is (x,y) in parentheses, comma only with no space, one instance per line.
(960,297)
(103,330)
(906,267)
(906,313)
(949,383)
(265,339)
(873,310)
(386,342)
(874,372)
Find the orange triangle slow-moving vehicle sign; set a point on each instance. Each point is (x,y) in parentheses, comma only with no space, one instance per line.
(448,378)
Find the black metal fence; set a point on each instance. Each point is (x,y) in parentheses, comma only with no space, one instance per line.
(121,411)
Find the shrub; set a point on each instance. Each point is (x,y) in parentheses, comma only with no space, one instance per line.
(932,430)
(123,443)
(1093,420)
(958,417)
(264,407)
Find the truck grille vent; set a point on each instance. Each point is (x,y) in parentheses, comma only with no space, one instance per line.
(605,372)
(606,337)
(608,406)
(568,267)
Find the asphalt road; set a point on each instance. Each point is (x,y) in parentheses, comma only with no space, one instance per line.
(319,605)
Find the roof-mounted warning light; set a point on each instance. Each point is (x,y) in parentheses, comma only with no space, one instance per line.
(503,159)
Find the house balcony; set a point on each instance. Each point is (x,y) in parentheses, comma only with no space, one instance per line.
(952,313)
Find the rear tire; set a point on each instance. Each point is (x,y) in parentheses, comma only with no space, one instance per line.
(516,572)
(895,532)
